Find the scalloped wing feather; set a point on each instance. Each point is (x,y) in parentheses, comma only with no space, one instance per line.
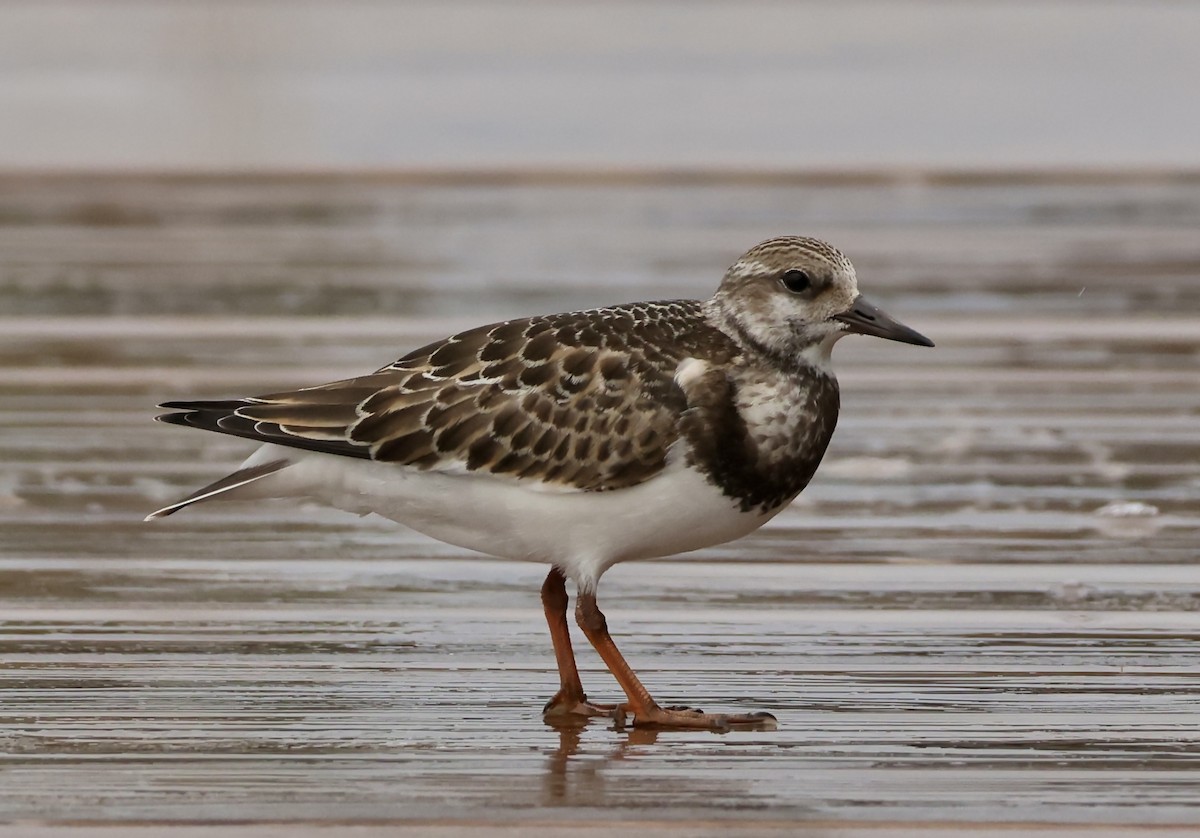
(577,401)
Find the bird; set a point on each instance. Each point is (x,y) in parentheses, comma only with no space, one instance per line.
(580,440)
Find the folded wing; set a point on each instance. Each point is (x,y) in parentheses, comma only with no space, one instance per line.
(580,401)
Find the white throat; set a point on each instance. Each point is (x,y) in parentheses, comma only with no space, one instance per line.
(819,355)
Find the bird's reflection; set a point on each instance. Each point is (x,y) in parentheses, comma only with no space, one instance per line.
(576,774)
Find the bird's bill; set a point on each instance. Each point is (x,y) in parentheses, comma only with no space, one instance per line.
(865,318)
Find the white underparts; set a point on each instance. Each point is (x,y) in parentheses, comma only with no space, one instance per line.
(584,533)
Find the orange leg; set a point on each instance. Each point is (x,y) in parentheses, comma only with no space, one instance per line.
(570,699)
(642,706)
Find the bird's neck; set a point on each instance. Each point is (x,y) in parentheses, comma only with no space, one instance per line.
(802,357)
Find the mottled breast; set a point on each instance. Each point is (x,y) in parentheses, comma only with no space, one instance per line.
(759,433)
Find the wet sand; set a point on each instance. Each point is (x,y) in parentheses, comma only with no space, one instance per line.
(983,611)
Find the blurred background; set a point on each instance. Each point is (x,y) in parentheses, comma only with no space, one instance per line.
(351,84)
(983,609)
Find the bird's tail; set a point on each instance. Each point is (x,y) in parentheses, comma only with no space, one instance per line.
(239,478)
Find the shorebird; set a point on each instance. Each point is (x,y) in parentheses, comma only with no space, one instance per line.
(580,439)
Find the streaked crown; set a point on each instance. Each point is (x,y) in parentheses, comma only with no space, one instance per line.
(784,252)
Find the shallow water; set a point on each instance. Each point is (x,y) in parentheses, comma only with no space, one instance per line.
(966,618)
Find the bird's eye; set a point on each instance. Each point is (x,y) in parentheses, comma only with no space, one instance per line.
(796,281)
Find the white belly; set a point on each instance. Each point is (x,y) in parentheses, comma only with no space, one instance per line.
(584,533)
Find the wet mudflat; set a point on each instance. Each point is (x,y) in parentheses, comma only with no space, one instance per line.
(984,610)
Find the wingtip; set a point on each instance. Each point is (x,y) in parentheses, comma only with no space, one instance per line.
(173,418)
(232,481)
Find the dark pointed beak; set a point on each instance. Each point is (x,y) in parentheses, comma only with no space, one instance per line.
(865,318)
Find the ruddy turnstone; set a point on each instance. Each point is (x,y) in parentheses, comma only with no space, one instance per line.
(580,439)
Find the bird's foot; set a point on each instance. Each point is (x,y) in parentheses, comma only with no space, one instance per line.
(688,718)
(567,707)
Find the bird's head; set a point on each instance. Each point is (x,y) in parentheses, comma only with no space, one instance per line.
(794,297)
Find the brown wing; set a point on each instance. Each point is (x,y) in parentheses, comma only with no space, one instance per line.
(584,400)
